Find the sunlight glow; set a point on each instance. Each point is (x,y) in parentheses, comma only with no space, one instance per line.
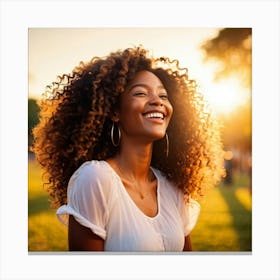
(52,51)
(226,95)
(47,60)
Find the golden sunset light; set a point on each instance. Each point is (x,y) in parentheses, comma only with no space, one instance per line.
(53,52)
(230,51)
(221,71)
(226,95)
(53,122)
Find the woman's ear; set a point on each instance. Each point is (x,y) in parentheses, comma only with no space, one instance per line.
(115,117)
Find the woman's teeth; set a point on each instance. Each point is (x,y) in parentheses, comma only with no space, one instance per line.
(154,115)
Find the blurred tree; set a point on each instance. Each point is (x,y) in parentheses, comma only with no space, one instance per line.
(33,119)
(237,128)
(233,49)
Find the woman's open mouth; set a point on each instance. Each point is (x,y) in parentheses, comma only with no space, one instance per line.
(154,115)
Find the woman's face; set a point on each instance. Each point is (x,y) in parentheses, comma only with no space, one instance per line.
(145,110)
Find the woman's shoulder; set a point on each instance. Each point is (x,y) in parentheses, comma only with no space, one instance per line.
(92,171)
(96,166)
(167,185)
(161,175)
(92,183)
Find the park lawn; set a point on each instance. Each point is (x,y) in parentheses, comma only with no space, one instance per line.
(224,224)
(45,232)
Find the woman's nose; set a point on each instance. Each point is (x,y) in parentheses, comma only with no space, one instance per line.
(155,100)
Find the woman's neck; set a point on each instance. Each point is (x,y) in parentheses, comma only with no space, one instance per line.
(134,161)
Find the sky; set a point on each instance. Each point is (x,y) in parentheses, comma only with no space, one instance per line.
(55,51)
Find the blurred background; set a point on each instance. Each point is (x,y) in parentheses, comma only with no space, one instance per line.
(219,59)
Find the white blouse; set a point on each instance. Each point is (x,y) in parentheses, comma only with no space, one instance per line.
(98,200)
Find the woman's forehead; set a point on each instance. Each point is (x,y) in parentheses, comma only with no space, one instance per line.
(143,78)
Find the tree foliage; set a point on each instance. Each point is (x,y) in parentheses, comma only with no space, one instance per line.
(233,49)
(33,118)
(237,128)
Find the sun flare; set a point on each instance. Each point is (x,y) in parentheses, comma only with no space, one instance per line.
(226,95)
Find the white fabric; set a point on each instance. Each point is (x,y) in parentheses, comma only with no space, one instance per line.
(98,200)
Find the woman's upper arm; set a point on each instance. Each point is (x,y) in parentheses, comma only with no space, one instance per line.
(81,238)
(188,244)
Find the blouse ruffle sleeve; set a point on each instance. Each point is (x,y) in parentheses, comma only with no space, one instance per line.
(88,197)
(190,212)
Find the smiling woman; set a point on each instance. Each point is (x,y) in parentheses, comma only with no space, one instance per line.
(145,110)
(127,146)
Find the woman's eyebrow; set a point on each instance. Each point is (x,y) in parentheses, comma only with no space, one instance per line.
(137,85)
(143,85)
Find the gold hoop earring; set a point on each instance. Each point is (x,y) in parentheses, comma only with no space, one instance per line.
(112,135)
(167,144)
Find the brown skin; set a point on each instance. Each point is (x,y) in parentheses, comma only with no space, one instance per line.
(188,243)
(145,94)
(81,238)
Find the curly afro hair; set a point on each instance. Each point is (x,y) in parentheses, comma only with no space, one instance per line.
(76,117)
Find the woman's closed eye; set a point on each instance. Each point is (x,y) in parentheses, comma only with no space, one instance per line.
(139,93)
(163,96)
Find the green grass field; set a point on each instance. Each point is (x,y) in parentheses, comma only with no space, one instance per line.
(224,224)
(45,232)
(225,221)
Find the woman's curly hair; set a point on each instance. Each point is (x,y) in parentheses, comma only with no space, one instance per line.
(76,118)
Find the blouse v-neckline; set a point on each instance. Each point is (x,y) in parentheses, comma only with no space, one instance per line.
(129,198)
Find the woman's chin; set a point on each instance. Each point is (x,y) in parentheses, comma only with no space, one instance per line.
(158,136)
